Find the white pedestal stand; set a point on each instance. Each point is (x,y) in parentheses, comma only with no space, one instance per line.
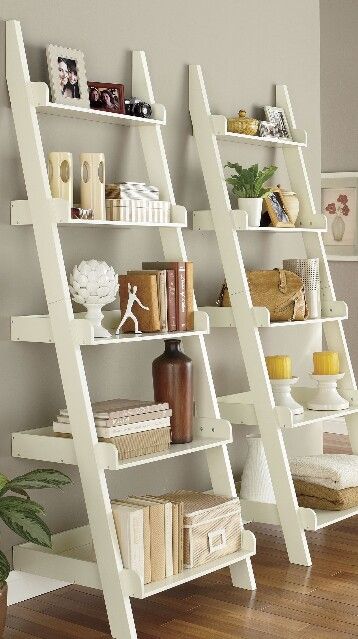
(327,396)
(281,389)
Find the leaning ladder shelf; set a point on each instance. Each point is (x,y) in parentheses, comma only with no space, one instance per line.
(257,407)
(73,558)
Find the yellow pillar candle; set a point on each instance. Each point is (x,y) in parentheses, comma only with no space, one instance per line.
(279,366)
(325,363)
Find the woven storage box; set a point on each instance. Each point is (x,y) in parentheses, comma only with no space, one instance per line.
(139,444)
(212,526)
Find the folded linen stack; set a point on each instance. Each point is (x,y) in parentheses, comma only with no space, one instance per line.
(326,482)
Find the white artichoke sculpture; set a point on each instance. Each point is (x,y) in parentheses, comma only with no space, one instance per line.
(94,284)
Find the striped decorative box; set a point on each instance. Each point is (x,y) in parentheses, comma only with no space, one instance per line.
(155,211)
(212,526)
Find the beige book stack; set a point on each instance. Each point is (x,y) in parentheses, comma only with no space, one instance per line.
(160,537)
(135,427)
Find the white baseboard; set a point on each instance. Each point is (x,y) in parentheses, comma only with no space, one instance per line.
(337,426)
(23,585)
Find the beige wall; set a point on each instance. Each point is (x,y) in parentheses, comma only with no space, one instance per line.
(244,48)
(339,124)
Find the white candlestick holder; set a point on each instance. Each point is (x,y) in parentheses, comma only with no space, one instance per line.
(281,389)
(327,396)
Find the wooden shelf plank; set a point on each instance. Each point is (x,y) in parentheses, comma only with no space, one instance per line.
(239,409)
(37,328)
(43,444)
(72,559)
(203,221)
(222,317)
(219,123)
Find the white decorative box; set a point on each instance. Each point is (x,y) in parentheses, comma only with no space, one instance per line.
(155,211)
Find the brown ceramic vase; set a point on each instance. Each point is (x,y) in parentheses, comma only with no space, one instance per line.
(3,608)
(173,383)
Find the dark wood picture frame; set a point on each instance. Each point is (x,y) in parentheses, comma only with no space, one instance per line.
(107,85)
(277,211)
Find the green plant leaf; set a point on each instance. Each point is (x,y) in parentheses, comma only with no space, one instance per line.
(3,481)
(4,568)
(11,502)
(40,478)
(24,520)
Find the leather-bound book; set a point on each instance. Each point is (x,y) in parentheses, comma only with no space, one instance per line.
(147,293)
(179,268)
(171,299)
(189,283)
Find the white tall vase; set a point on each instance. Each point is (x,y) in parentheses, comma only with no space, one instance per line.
(256,481)
(93,184)
(60,174)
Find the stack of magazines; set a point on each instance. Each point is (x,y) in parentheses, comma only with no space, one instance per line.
(135,427)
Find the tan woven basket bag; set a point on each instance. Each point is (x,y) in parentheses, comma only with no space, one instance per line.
(282,292)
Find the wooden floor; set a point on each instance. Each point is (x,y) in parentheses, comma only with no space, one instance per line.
(291,601)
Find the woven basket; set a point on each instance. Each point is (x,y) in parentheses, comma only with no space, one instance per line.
(212,526)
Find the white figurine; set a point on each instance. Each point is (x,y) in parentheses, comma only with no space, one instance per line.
(132,298)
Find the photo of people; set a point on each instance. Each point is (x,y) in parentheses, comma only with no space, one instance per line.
(106,97)
(68,76)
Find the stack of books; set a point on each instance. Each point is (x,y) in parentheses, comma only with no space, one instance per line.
(150,533)
(135,427)
(167,289)
(135,202)
(161,536)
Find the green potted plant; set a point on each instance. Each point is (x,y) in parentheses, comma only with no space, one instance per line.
(24,517)
(248,187)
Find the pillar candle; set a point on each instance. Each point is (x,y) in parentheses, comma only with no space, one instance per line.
(279,366)
(325,363)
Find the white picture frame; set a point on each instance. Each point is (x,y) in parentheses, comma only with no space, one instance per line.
(333,185)
(67,64)
(277,116)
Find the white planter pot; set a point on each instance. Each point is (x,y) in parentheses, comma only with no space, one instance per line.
(256,481)
(253,208)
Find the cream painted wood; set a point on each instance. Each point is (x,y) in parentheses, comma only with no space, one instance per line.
(256,407)
(70,556)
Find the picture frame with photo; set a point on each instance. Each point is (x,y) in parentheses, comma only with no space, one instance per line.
(276,209)
(277,116)
(67,73)
(106,96)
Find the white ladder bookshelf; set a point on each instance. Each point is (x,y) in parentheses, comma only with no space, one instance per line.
(257,407)
(73,558)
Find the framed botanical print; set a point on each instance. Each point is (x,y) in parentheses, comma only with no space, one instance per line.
(339,203)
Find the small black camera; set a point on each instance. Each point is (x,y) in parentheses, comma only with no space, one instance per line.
(135,106)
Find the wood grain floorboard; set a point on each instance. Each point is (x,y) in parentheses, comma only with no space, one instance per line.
(292,602)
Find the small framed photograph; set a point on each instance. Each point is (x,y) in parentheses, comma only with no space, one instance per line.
(276,209)
(104,96)
(67,73)
(268,129)
(277,116)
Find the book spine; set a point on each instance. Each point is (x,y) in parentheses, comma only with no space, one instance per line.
(163,301)
(181,537)
(189,283)
(141,427)
(171,295)
(181,296)
(168,540)
(130,526)
(175,539)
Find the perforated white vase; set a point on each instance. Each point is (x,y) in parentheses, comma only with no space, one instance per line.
(256,481)
(93,184)
(308,271)
(60,175)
